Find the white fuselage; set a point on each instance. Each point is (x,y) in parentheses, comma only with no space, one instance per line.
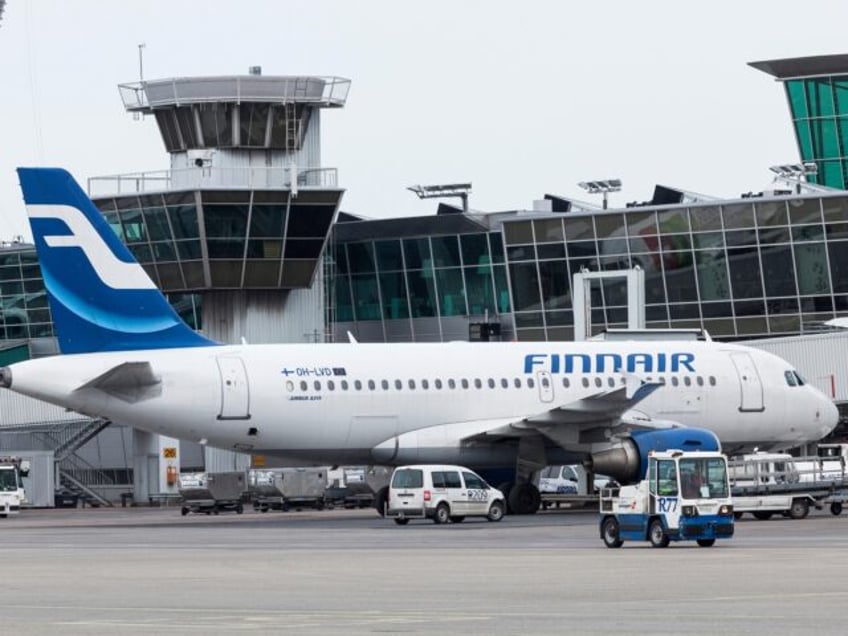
(397,403)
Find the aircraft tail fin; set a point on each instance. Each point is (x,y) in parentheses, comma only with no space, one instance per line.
(100,297)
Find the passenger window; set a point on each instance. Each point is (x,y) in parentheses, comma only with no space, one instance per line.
(478,384)
(517,383)
(438,479)
(473,481)
(424,384)
(452,479)
(712,381)
(687,380)
(344,385)
(611,382)
(438,383)
(371,385)
(530,383)
(398,385)
(700,381)
(491,383)
(331,386)
(412,384)
(598,382)
(545,382)
(303,385)
(661,379)
(504,383)
(385,385)
(464,383)
(565,382)
(317,385)
(451,384)
(289,386)
(674,380)
(585,383)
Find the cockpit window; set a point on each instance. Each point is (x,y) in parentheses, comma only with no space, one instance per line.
(790,378)
(800,378)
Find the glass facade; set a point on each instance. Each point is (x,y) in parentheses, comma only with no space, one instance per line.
(740,269)
(435,277)
(819,107)
(225,239)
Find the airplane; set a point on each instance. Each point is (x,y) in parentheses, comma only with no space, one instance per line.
(510,408)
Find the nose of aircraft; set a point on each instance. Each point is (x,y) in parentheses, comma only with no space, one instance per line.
(827,415)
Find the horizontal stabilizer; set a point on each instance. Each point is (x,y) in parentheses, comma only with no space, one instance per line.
(130,382)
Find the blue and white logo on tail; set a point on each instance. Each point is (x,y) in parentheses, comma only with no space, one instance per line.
(100,297)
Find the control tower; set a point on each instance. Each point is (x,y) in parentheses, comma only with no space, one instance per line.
(242,216)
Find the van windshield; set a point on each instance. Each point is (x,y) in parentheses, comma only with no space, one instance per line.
(408,478)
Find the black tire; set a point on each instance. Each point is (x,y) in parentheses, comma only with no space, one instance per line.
(737,515)
(657,535)
(762,515)
(215,510)
(457,519)
(381,499)
(836,508)
(239,509)
(706,543)
(799,509)
(609,533)
(524,499)
(401,521)
(496,511)
(183,511)
(442,514)
(506,488)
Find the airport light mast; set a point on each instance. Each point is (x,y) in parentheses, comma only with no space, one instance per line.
(460,190)
(795,173)
(603,186)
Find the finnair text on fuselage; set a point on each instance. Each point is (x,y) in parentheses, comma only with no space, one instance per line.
(610,362)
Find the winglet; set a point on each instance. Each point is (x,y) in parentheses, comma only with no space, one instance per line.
(100,297)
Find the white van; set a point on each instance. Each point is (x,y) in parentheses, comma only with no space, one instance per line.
(442,493)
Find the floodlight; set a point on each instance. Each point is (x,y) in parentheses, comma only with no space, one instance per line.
(795,172)
(460,190)
(601,186)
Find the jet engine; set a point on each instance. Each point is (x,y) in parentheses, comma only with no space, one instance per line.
(628,462)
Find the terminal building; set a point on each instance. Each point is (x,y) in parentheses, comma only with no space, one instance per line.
(244,233)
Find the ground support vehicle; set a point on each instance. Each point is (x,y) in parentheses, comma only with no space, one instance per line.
(685,496)
(443,493)
(212,493)
(12,493)
(286,488)
(570,486)
(766,484)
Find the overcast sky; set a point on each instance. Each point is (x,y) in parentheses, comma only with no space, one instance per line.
(519,98)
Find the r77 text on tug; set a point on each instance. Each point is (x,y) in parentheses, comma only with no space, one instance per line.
(683,495)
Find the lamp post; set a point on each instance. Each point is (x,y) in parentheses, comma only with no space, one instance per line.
(602,186)
(460,190)
(795,173)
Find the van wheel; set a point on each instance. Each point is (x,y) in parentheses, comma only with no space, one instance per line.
(656,534)
(457,519)
(401,521)
(496,511)
(800,508)
(836,508)
(442,513)
(706,543)
(609,532)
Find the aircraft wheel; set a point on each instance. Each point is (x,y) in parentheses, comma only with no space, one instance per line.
(505,488)
(442,513)
(381,499)
(656,534)
(800,508)
(239,509)
(706,543)
(836,508)
(524,499)
(609,532)
(183,511)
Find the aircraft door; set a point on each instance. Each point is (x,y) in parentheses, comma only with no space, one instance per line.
(751,387)
(235,393)
(546,386)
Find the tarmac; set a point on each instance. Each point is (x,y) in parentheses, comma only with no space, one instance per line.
(152,571)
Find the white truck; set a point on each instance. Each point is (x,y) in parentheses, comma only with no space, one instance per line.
(12,493)
(766,484)
(685,496)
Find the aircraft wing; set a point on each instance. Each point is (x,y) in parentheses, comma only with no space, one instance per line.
(592,419)
(129,381)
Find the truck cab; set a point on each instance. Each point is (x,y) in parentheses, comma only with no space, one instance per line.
(684,496)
